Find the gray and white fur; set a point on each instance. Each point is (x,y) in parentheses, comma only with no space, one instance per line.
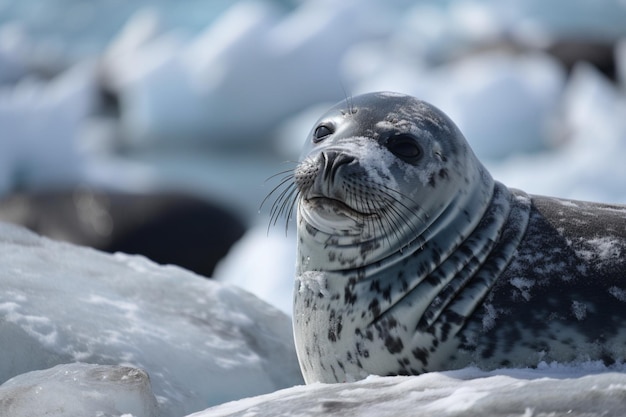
(411,258)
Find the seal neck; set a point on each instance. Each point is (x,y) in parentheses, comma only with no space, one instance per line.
(448,290)
(429,236)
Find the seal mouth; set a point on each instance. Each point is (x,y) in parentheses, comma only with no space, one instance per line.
(328,204)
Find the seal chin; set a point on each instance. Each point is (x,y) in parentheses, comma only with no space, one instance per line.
(331,216)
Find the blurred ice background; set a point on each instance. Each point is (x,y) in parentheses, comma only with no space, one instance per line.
(112,102)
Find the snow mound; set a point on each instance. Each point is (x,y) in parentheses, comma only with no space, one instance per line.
(469,392)
(201,342)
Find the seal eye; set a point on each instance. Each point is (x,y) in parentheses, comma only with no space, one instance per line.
(322,131)
(405,147)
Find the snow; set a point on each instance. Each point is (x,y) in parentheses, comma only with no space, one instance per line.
(213,98)
(39,143)
(312,281)
(618,293)
(263,263)
(587,390)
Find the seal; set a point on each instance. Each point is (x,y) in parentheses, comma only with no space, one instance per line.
(199,233)
(412,259)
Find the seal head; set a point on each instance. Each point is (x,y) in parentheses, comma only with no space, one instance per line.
(378,174)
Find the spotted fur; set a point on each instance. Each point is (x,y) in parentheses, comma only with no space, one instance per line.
(411,258)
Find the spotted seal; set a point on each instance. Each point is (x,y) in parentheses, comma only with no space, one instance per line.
(411,258)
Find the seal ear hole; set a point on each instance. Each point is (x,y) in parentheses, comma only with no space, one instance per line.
(323,131)
(405,147)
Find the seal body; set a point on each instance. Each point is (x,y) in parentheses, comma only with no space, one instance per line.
(411,258)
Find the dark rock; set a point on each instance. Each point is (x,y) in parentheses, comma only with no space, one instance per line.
(598,53)
(169,228)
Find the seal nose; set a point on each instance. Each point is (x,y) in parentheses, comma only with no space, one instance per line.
(331,161)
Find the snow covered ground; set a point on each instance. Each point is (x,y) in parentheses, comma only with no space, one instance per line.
(211,98)
(551,391)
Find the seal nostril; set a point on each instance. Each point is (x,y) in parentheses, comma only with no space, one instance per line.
(332,161)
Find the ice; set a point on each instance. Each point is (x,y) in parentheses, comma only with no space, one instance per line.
(526,18)
(141,29)
(264,264)
(63,32)
(587,162)
(13,43)
(200,342)
(41,123)
(554,390)
(79,390)
(152,71)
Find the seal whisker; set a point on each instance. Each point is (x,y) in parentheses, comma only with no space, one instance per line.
(367,211)
(379,221)
(284,205)
(289,175)
(284,195)
(348,99)
(285,200)
(402,197)
(368,207)
(416,215)
(391,218)
(287,171)
(294,202)
(279,206)
(400,210)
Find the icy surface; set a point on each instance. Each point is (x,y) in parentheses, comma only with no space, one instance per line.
(551,391)
(39,144)
(263,263)
(93,390)
(200,342)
